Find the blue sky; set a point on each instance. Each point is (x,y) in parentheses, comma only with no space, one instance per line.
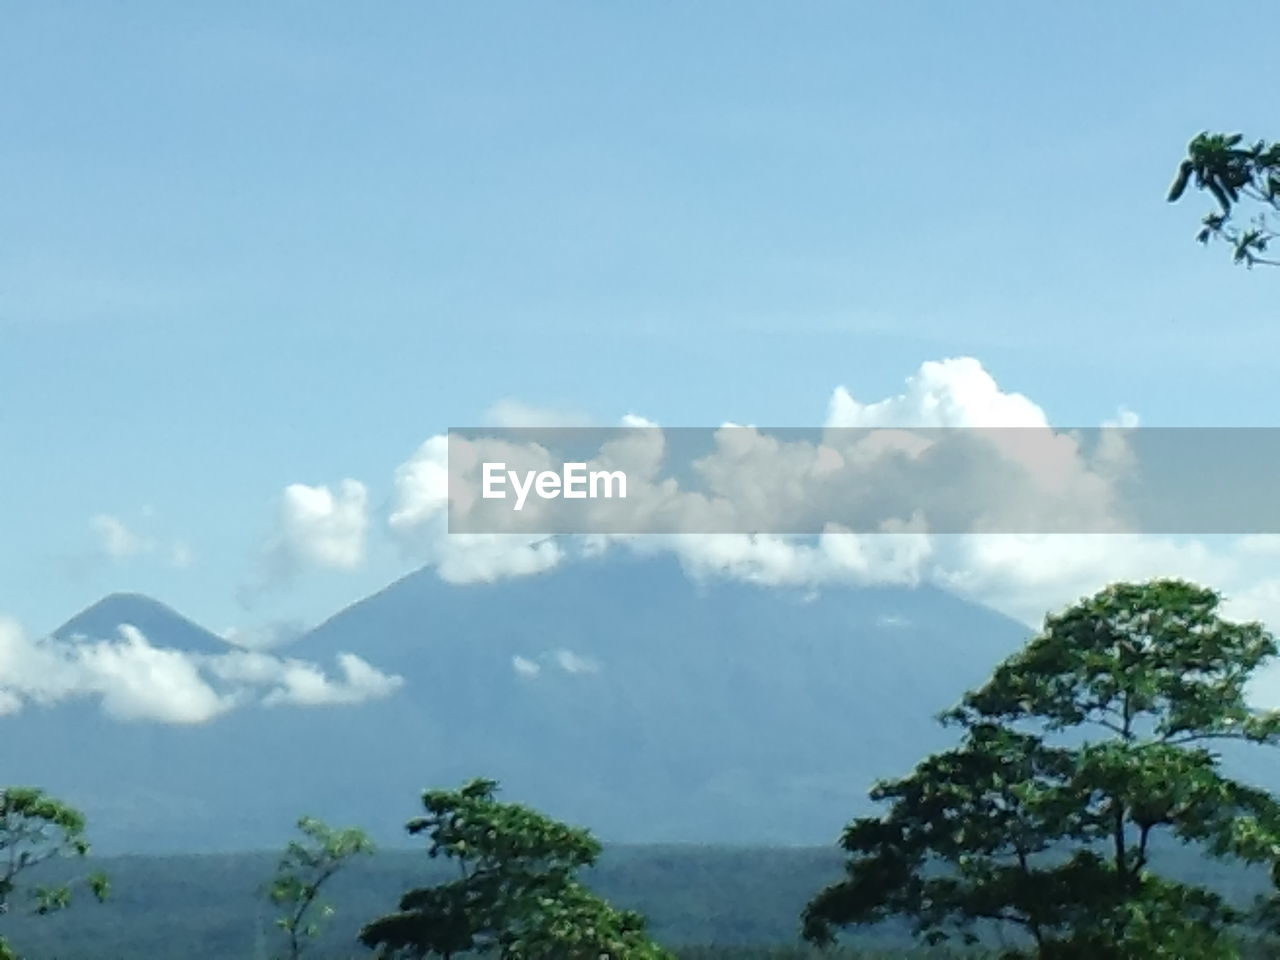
(246,247)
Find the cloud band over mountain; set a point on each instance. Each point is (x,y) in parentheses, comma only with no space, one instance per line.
(651,480)
(135,680)
(1023,574)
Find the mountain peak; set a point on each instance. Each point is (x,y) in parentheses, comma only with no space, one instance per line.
(160,624)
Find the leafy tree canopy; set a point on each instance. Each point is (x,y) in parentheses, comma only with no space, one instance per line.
(516,894)
(1077,751)
(307,865)
(34,828)
(1235,175)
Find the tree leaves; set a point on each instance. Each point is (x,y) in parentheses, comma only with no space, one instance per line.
(1229,172)
(36,827)
(306,866)
(1078,749)
(517,892)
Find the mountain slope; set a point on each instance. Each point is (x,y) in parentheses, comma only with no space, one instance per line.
(662,709)
(165,626)
(618,694)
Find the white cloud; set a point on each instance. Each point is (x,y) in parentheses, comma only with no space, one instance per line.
(116,540)
(982,478)
(419,523)
(571,662)
(316,529)
(513,413)
(750,474)
(472,558)
(897,556)
(299,683)
(9,703)
(563,659)
(137,681)
(134,680)
(1022,575)
(324,528)
(525,667)
(421,489)
(1026,576)
(264,636)
(957,392)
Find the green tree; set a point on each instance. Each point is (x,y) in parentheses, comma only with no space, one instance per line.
(1075,754)
(307,865)
(516,894)
(35,828)
(1234,175)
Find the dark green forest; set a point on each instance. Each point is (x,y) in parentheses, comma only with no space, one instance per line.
(691,896)
(706,903)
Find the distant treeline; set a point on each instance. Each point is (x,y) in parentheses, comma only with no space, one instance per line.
(706,903)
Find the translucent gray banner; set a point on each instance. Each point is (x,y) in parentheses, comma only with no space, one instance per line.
(641,480)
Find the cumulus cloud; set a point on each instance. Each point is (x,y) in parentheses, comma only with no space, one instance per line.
(317,528)
(1021,575)
(749,473)
(957,392)
(135,680)
(862,472)
(322,527)
(291,682)
(897,556)
(419,522)
(132,679)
